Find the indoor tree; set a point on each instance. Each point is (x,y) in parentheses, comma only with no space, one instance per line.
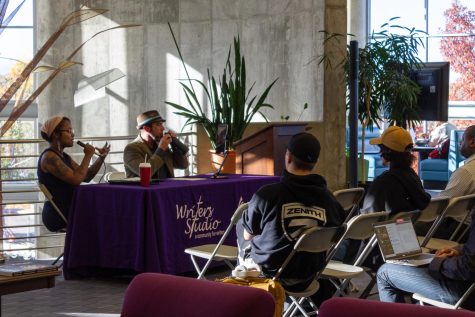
(386,89)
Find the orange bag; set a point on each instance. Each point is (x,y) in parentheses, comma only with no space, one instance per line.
(267,284)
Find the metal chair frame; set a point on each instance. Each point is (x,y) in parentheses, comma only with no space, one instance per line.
(219,251)
(49,197)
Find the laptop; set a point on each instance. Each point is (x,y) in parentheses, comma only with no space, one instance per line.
(398,243)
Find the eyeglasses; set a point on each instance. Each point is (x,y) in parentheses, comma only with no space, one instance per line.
(71,131)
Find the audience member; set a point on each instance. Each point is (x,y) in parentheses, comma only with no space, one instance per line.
(267,231)
(461,183)
(462,180)
(448,276)
(399,188)
(154,145)
(59,172)
(440,134)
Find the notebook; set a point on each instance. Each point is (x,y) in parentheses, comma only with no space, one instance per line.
(131,181)
(398,243)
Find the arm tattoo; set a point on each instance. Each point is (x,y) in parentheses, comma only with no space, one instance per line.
(56,164)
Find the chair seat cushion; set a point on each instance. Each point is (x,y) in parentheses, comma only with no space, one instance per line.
(435,165)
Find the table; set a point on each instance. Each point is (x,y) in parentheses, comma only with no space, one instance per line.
(146,229)
(26,282)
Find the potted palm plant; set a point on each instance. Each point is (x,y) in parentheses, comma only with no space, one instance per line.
(230,101)
(386,89)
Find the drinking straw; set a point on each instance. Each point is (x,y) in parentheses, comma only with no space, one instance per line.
(146,157)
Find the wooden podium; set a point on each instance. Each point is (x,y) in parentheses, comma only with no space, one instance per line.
(263,152)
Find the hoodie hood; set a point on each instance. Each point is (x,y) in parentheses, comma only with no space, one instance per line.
(308,189)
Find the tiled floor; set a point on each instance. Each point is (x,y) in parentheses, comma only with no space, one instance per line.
(82,298)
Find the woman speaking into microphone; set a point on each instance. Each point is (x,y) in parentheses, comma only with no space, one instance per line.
(59,172)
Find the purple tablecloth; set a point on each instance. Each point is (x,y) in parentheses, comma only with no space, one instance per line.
(146,229)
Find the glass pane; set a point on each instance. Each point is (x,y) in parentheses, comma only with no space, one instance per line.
(22,237)
(11,153)
(459,51)
(21,50)
(383,10)
(438,16)
(24,16)
(434,51)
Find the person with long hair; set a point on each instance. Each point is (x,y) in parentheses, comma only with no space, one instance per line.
(59,172)
(399,188)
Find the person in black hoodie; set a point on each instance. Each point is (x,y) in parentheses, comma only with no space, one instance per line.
(278,213)
(399,188)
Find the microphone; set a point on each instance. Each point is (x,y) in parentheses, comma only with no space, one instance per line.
(81,144)
(177,145)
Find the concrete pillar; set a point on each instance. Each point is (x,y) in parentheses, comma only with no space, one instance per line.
(331,132)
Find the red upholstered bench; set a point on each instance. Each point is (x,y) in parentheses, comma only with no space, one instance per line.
(154,294)
(339,307)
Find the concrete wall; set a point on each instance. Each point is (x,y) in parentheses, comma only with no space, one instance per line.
(279,39)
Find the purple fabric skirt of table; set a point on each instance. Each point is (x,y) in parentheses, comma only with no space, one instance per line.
(146,229)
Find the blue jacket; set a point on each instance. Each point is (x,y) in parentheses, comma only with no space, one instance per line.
(461,267)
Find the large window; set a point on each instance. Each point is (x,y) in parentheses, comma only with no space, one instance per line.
(16,43)
(450,27)
(18,214)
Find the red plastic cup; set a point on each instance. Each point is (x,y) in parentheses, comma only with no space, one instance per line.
(145,174)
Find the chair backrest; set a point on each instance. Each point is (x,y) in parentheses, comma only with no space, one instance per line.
(48,196)
(234,219)
(154,294)
(238,213)
(350,200)
(114,176)
(458,208)
(361,227)
(314,240)
(350,197)
(434,209)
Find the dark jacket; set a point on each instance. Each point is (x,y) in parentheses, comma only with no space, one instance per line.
(396,190)
(136,151)
(277,214)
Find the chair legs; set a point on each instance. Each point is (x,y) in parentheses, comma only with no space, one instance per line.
(57,259)
(367,291)
(297,306)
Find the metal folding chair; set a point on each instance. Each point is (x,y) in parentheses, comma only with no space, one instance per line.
(431,214)
(459,208)
(314,240)
(217,252)
(350,200)
(433,302)
(358,228)
(49,197)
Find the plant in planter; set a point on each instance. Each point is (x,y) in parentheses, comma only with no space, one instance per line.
(229,99)
(386,89)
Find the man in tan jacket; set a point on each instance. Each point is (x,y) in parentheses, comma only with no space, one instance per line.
(163,150)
